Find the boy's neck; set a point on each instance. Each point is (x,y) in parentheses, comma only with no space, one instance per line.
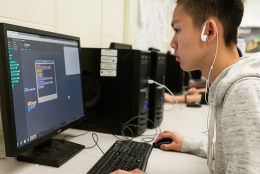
(225,58)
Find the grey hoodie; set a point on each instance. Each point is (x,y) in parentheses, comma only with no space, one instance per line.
(234,98)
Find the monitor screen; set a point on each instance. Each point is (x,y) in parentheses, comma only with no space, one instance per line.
(46,84)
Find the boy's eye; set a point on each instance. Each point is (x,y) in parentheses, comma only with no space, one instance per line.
(176,30)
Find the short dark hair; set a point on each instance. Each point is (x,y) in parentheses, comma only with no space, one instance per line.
(229,13)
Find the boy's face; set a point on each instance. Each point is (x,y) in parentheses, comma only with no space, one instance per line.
(186,41)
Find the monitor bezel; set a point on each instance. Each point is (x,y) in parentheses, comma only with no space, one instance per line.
(7,107)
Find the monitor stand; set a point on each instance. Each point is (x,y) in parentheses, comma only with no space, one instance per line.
(53,152)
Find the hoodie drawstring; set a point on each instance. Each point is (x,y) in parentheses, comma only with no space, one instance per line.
(210,140)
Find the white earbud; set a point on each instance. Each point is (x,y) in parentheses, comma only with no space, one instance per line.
(204,38)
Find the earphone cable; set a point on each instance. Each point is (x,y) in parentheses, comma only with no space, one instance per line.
(207,81)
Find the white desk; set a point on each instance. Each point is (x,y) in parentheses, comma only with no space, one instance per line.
(160,162)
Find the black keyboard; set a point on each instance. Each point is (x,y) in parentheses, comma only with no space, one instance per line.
(125,155)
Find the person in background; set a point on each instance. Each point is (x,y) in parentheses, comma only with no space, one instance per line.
(192,95)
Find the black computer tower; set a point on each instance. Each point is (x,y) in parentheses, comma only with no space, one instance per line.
(156,99)
(116,90)
(174,73)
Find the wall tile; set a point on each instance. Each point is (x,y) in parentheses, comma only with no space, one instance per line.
(117,5)
(80,18)
(106,41)
(42,12)
(113,24)
(27,24)
(14,9)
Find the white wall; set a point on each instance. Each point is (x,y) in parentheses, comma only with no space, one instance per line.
(112,22)
(251,14)
(80,18)
(30,13)
(97,22)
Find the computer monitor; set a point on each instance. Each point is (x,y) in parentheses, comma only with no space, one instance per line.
(41,93)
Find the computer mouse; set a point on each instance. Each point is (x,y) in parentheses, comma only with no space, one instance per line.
(162,141)
(194,104)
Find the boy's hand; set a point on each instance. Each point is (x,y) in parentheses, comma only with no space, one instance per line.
(135,171)
(177,140)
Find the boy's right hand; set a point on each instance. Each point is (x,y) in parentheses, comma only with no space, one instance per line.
(177,140)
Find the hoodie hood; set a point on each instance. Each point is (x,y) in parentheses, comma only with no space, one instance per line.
(248,66)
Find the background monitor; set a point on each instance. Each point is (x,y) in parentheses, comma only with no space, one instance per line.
(196,75)
(114,45)
(41,93)
(174,75)
(153,49)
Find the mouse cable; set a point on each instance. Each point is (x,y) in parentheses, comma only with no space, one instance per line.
(103,130)
(74,135)
(150,81)
(152,139)
(96,142)
(127,125)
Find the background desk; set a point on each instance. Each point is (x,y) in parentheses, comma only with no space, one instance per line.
(160,162)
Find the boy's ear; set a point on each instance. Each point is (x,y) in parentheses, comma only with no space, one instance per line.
(211,31)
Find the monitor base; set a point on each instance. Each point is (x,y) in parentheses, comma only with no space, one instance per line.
(55,154)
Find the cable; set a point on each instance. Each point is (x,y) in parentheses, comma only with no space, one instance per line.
(211,145)
(126,125)
(207,122)
(73,135)
(207,81)
(174,106)
(96,142)
(104,130)
(150,81)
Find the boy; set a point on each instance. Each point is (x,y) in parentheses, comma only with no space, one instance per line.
(205,39)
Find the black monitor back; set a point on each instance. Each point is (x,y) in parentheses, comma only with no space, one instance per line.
(196,75)
(174,80)
(156,101)
(115,95)
(114,45)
